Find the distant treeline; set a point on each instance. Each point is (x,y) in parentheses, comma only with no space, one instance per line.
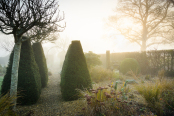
(4,60)
(150,61)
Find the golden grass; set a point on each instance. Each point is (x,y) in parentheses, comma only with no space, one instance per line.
(153,93)
(99,74)
(5,105)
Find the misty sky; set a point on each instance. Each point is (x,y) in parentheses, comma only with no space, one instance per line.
(86,21)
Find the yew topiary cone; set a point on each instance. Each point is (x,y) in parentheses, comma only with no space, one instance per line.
(75,74)
(41,62)
(29,82)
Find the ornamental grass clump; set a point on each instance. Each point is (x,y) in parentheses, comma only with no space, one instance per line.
(159,95)
(29,82)
(75,74)
(167,96)
(6,104)
(99,74)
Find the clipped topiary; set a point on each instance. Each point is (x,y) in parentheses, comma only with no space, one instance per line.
(75,74)
(129,64)
(29,82)
(41,62)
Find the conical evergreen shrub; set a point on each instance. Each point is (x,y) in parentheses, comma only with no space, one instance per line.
(41,62)
(29,82)
(75,74)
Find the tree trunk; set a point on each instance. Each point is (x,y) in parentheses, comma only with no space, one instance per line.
(143,46)
(144,37)
(14,73)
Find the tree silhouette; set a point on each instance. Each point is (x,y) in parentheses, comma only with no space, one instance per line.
(19,16)
(145,22)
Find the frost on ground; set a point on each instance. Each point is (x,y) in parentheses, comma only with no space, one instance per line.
(48,104)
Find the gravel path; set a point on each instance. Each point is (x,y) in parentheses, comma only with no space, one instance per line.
(49,102)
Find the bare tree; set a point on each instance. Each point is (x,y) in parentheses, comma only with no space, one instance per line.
(46,34)
(148,21)
(19,16)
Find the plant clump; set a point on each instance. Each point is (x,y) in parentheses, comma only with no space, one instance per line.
(41,62)
(99,74)
(92,59)
(129,64)
(75,74)
(159,96)
(108,101)
(29,83)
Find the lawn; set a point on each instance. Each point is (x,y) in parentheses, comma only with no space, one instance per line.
(1,79)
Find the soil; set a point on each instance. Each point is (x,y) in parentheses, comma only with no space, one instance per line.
(49,102)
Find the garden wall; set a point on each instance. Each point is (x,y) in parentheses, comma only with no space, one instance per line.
(150,61)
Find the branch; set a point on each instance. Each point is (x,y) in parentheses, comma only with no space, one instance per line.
(20,16)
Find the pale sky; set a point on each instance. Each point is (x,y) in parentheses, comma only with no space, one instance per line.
(86,21)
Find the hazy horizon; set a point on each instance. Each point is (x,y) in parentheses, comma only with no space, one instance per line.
(86,21)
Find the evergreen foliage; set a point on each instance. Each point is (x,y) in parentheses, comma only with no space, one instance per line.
(129,64)
(41,62)
(92,59)
(29,83)
(2,70)
(75,74)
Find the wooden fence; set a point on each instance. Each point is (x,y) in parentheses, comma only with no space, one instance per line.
(150,61)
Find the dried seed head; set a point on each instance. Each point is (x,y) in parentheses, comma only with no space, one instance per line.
(99,88)
(105,93)
(118,100)
(108,96)
(91,90)
(88,98)
(98,100)
(86,95)
(125,101)
(96,91)
(89,103)
(102,103)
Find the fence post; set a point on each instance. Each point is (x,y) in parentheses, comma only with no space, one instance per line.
(168,61)
(164,60)
(171,61)
(108,59)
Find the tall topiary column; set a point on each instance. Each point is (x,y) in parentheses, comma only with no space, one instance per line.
(41,62)
(29,82)
(75,74)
